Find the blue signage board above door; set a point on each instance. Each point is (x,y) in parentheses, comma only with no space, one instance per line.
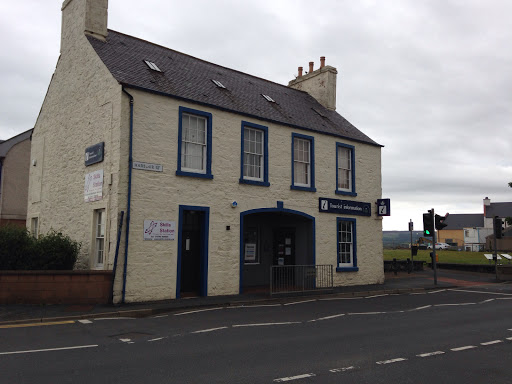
(383,207)
(346,207)
(94,153)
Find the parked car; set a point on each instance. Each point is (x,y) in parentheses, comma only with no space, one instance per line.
(440,246)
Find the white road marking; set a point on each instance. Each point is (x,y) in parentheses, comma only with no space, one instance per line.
(509,338)
(340,298)
(335,370)
(209,330)
(431,354)
(49,349)
(418,293)
(486,301)
(85,321)
(327,317)
(300,302)
(463,348)
(504,298)
(253,306)
(420,308)
(492,342)
(391,361)
(489,293)
(440,290)
(131,342)
(371,297)
(115,318)
(197,311)
(365,313)
(158,338)
(159,316)
(305,375)
(454,304)
(265,324)
(125,340)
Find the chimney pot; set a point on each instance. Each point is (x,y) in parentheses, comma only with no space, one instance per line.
(322,61)
(311,64)
(300,71)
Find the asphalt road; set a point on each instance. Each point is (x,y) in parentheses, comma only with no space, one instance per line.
(444,336)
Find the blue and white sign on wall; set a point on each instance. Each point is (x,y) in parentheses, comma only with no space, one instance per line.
(346,207)
(383,207)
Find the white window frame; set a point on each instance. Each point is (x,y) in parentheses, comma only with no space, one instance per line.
(342,170)
(99,238)
(184,142)
(261,144)
(306,162)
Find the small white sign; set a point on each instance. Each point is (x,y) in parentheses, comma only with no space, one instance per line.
(148,166)
(250,252)
(159,230)
(93,186)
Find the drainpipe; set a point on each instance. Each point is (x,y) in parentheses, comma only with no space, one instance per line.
(130,164)
(114,269)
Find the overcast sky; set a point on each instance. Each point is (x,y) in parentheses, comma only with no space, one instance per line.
(429,80)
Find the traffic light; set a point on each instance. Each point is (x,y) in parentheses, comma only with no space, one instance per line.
(440,222)
(428,224)
(498,228)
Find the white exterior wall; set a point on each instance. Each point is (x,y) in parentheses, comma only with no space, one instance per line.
(81,108)
(152,265)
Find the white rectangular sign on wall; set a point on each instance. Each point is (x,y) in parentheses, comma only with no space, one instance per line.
(93,186)
(159,230)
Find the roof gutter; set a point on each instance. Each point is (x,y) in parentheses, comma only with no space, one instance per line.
(130,165)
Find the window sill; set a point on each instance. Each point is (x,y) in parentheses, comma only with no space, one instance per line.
(305,189)
(193,174)
(345,193)
(347,269)
(255,182)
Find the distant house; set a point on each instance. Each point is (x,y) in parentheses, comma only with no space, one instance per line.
(220,175)
(465,231)
(14,169)
(501,210)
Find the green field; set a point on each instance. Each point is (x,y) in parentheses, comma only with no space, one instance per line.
(444,256)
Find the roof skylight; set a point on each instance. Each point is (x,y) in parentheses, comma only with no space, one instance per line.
(152,66)
(218,84)
(268,98)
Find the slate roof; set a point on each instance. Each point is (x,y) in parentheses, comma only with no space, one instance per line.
(464,220)
(499,209)
(188,78)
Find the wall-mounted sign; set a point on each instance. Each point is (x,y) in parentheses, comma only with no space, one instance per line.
(93,187)
(159,230)
(383,207)
(250,252)
(346,207)
(148,166)
(94,153)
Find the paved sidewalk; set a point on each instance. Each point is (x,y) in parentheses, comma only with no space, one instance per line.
(400,283)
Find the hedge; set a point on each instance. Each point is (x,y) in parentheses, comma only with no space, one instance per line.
(20,251)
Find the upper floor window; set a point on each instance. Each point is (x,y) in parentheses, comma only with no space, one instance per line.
(194,147)
(254,156)
(303,162)
(345,170)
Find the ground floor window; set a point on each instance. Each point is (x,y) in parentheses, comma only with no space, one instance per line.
(347,246)
(99,233)
(34,227)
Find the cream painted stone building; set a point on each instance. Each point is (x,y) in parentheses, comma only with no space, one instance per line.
(189,178)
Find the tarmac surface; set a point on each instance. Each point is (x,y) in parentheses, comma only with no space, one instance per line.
(402,282)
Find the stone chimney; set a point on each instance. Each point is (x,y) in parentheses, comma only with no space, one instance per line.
(81,17)
(321,84)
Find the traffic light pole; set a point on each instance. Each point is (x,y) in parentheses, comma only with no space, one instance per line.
(434,240)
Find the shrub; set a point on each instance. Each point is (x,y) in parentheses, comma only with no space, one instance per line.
(20,251)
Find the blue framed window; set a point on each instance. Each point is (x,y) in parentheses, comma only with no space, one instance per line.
(195,143)
(345,170)
(254,154)
(303,162)
(346,245)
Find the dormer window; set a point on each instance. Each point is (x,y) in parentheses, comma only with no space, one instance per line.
(268,98)
(218,84)
(152,66)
